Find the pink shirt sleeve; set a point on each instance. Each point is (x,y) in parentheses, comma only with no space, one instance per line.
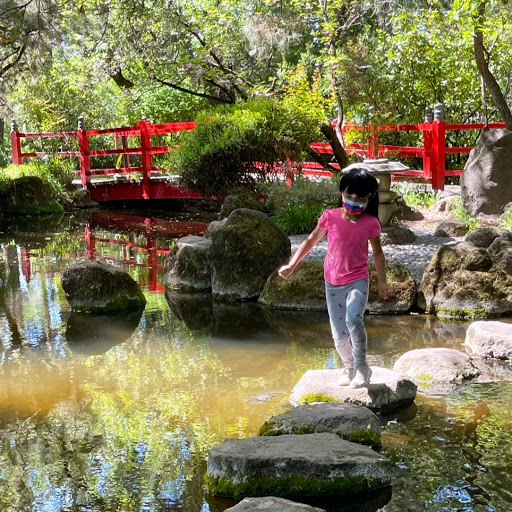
(323,221)
(375,228)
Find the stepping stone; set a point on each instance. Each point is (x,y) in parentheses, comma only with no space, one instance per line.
(290,465)
(388,390)
(437,370)
(348,421)
(490,339)
(272,504)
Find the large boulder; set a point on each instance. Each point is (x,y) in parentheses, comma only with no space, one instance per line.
(463,281)
(490,339)
(350,422)
(486,182)
(405,286)
(96,287)
(290,465)
(397,235)
(304,289)
(272,504)
(437,370)
(29,195)
(187,266)
(387,391)
(246,248)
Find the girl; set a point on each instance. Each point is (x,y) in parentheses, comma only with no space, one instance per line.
(348,229)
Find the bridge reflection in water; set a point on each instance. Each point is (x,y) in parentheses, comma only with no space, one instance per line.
(143,242)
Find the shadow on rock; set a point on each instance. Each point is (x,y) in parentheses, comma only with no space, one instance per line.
(370,501)
(95,334)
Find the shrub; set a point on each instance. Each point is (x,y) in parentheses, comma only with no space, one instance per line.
(238,144)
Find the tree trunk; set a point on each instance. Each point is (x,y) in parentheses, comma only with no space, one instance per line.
(337,148)
(488,78)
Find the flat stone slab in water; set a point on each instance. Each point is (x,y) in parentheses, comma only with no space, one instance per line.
(490,339)
(272,504)
(437,370)
(388,390)
(348,421)
(291,465)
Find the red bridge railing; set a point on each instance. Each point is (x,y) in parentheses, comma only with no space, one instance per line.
(432,151)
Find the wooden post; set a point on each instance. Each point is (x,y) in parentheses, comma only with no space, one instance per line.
(145,144)
(83,154)
(15,144)
(372,142)
(438,148)
(90,243)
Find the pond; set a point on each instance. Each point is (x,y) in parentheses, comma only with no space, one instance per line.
(118,413)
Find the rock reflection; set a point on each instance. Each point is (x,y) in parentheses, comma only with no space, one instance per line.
(195,310)
(371,501)
(95,334)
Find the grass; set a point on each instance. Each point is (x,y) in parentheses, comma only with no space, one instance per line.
(417,196)
(459,212)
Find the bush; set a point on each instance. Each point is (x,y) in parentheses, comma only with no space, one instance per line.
(55,172)
(506,219)
(417,195)
(239,144)
(459,212)
(296,208)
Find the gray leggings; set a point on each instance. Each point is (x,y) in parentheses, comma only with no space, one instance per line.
(346,305)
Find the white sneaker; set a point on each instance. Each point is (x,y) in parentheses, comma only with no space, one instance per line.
(346,376)
(361,378)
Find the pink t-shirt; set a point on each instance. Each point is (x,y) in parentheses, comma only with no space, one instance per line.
(346,260)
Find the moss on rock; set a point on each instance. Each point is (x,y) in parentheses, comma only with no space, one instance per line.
(317,397)
(292,486)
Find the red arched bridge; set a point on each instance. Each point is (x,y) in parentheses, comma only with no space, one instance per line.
(145,181)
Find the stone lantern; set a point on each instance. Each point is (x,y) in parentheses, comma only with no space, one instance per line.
(382,169)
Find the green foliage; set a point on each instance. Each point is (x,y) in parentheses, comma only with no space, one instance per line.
(232,144)
(506,219)
(55,172)
(417,195)
(459,212)
(296,218)
(296,208)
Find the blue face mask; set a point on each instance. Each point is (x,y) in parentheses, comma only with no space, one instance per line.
(353,207)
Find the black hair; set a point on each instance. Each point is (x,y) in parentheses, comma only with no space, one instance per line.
(362,183)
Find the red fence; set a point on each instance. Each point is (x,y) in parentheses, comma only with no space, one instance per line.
(433,150)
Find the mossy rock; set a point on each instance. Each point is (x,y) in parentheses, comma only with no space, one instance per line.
(304,289)
(405,286)
(96,287)
(463,281)
(240,197)
(348,421)
(291,465)
(29,195)
(247,248)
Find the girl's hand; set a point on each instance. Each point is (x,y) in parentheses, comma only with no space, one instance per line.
(386,291)
(285,271)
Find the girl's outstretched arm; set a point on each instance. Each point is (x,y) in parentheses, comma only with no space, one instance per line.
(385,290)
(302,251)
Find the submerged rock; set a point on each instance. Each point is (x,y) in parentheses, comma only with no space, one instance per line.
(96,287)
(437,370)
(246,248)
(463,281)
(290,465)
(490,339)
(348,421)
(272,504)
(388,390)
(187,266)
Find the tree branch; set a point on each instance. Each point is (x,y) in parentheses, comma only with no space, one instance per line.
(193,93)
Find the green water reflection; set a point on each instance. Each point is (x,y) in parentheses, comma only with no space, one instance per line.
(119,413)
